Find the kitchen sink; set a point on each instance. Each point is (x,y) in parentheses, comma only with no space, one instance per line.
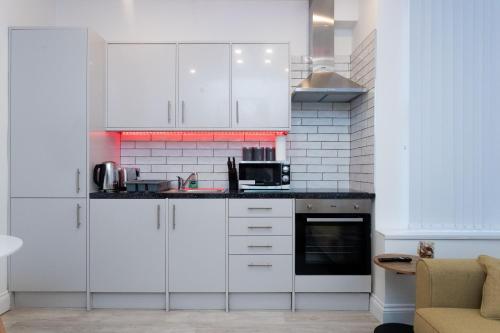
(198,190)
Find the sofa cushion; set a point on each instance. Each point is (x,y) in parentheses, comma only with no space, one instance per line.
(490,305)
(453,320)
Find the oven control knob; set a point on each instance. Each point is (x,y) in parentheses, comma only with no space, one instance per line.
(356,206)
(286,168)
(285,179)
(309,206)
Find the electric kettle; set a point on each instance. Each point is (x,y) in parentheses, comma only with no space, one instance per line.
(106,176)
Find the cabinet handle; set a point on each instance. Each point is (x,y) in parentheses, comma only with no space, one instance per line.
(77,180)
(237,112)
(259,227)
(259,265)
(168,107)
(173,217)
(158,217)
(182,111)
(263,208)
(78,222)
(260,246)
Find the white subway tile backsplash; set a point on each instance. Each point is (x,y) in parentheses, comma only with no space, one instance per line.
(323,137)
(197,152)
(150,160)
(127,160)
(166,152)
(306,176)
(150,144)
(182,160)
(128,144)
(317,121)
(136,152)
(362,117)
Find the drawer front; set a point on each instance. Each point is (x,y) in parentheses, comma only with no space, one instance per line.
(264,226)
(260,245)
(260,273)
(260,207)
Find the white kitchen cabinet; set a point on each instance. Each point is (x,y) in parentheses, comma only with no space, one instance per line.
(260,86)
(204,87)
(127,245)
(197,237)
(141,85)
(53,257)
(48,96)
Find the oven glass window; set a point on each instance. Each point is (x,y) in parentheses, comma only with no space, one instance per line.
(333,245)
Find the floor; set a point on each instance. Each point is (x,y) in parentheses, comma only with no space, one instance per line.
(127,321)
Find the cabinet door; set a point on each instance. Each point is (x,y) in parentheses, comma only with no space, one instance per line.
(127,245)
(197,245)
(141,85)
(48,112)
(204,86)
(53,257)
(260,94)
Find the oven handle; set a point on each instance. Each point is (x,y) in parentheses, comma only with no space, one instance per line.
(334,219)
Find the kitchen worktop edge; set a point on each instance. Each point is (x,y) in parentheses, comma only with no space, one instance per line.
(291,194)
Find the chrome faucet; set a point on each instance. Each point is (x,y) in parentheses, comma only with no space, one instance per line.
(181,183)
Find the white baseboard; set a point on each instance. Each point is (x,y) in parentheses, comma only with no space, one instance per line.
(391,313)
(4,301)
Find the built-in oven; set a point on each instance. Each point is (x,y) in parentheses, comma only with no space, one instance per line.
(332,237)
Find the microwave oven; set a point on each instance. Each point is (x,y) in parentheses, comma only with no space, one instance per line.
(264,175)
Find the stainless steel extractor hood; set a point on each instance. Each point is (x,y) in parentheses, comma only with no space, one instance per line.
(324,85)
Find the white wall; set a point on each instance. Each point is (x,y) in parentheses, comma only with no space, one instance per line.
(191,20)
(391,115)
(367,20)
(12,13)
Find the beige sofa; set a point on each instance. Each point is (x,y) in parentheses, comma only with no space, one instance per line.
(449,295)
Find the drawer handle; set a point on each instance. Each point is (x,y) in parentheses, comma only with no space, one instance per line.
(259,265)
(260,246)
(263,208)
(259,227)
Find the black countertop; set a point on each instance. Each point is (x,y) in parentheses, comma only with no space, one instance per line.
(264,194)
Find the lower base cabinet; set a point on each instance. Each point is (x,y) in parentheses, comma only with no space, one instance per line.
(53,256)
(197,245)
(127,245)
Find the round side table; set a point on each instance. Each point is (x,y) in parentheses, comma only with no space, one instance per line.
(8,245)
(405,268)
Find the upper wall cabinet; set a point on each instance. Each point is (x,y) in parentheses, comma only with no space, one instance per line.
(188,86)
(260,86)
(141,86)
(204,78)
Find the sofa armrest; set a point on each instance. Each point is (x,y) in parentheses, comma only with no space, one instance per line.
(452,283)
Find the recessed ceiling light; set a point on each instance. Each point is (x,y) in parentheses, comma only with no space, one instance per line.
(267,61)
(192,71)
(239,61)
(269,51)
(238,51)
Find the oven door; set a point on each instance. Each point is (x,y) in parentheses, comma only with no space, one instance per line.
(264,174)
(332,244)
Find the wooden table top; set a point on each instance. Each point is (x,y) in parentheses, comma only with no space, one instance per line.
(406,268)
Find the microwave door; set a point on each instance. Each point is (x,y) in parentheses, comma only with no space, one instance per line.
(261,174)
